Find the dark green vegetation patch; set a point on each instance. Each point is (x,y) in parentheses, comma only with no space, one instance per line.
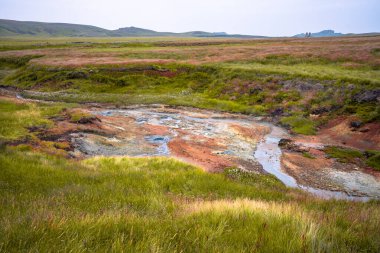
(346,155)
(211,87)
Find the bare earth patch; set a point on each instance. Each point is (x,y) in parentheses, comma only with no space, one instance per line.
(338,130)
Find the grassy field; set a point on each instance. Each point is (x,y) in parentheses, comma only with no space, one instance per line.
(50,203)
(295,77)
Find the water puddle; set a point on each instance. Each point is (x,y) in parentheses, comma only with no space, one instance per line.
(268,153)
(162,142)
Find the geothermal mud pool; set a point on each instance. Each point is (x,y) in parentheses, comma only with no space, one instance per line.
(215,141)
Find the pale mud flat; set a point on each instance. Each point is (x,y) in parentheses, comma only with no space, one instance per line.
(215,141)
(357,181)
(328,177)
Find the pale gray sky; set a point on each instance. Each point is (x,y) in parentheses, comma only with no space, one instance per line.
(256,17)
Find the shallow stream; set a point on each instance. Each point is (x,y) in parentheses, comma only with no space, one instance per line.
(268,154)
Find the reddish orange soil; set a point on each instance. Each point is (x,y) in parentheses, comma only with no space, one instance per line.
(307,171)
(253,133)
(155,130)
(298,162)
(200,153)
(339,131)
(81,61)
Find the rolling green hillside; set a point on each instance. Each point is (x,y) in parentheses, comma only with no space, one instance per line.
(11,27)
(28,28)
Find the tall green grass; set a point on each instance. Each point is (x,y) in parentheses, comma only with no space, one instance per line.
(311,70)
(346,155)
(300,125)
(16,118)
(50,204)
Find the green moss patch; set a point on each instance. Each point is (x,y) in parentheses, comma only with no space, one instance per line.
(345,155)
(300,124)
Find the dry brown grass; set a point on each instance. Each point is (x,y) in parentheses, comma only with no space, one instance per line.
(354,51)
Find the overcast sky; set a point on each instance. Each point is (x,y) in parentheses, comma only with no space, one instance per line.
(255,17)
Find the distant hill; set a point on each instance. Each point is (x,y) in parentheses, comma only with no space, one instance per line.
(11,27)
(29,28)
(324,33)
(332,33)
(137,32)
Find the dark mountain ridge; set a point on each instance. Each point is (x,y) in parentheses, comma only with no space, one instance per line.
(31,28)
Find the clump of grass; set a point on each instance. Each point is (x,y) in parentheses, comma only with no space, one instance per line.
(248,178)
(344,155)
(17,117)
(374,162)
(373,159)
(376,51)
(308,155)
(16,62)
(78,116)
(287,96)
(300,124)
(23,123)
(368,112)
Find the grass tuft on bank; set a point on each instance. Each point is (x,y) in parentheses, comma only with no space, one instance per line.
(346,155)
(16,118)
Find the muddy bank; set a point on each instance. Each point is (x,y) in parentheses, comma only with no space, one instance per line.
(322,173)
(326,178)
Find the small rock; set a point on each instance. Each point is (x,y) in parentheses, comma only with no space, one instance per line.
(284,142)
(277,112)
(356,124)
(319,111)
(367,96)
(254,90)
(77,75)
(291,146)
(88,120)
